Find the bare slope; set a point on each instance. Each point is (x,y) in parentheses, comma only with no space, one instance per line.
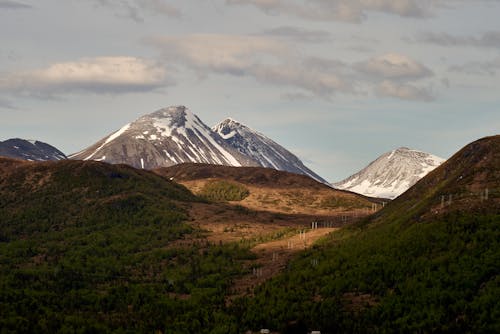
(272,190)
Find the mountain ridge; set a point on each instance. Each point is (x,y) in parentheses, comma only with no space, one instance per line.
(31,150)
(175,135)
(264,150)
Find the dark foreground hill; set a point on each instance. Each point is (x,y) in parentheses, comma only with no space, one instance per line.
(88,247)
(428,262)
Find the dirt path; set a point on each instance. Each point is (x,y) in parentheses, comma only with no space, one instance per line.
(273,257)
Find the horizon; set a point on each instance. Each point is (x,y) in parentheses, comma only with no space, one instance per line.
(336,88)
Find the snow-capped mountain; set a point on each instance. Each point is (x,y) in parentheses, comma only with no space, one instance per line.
(32,150)
(391,174)
(164,138)
(266,152)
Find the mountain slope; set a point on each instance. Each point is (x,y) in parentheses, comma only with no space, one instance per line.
(163,138)
(260,148)
(272,190)
(32,150)
(391,174)
(418,265)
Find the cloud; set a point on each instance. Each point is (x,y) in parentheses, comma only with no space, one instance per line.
(272,61)
(343,10)
(320,83)
(299,34)
(9,4)
(478,67)
(137,9)
(490,39)
(229,54)
(393,66)
(263,58)
(403,91)
(103,75)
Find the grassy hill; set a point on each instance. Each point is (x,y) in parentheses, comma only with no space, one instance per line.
(89,247)
(419,265)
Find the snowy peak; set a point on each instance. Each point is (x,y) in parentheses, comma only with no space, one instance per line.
(165,137)
(266,152)
(175,135)
(31,150)
(229,127)
(392,173)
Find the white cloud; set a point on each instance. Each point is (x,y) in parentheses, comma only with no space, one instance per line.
(343,10)
(403,91)
(232,54)
(102,75)
(394,66)
(263,58)
(9,4)
(272,61)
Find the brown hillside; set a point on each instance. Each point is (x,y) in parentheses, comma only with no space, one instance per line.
(247,175)
(272,190)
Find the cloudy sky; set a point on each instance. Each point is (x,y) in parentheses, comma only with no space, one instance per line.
(337,82)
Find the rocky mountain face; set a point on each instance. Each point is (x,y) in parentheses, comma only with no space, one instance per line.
(175,135)
(391,174)
(31,150)
(266,152)
(164,138)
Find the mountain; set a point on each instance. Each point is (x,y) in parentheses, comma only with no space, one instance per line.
(391,174)
(32,150)
(427,262)
(260,148)
(175,135)
(164,138)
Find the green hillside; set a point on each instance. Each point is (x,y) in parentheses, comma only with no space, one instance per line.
(88,247)
(420,265)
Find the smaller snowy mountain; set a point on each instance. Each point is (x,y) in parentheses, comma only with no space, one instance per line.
(266,152)
(391,174)
(164,138)
(31,150)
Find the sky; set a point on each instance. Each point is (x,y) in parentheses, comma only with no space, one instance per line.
(337,82)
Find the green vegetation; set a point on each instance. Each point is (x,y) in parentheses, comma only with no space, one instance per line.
(424,277)
(222,191)
(89,247)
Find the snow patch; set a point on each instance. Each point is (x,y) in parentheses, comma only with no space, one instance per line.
(110,139)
